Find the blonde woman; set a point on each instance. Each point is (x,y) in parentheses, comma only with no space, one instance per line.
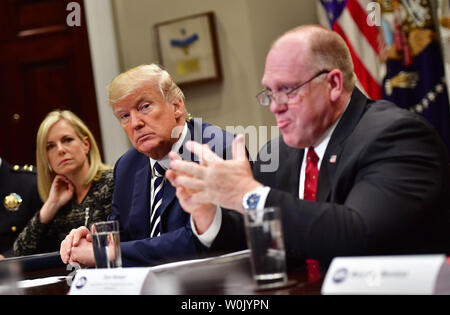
(73,182)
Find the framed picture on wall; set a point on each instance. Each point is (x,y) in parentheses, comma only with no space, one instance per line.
(188,49)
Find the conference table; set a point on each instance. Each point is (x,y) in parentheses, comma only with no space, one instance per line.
(45,274)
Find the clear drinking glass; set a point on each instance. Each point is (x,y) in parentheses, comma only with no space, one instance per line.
(106,243)
(265,240)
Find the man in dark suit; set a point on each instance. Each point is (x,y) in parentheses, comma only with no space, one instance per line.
(20,201)
(153,226)
(356,176)
(131,202)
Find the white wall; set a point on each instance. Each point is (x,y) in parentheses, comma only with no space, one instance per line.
(105,63)
(269,19)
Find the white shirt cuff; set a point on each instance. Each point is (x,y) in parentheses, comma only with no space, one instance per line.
(210,234)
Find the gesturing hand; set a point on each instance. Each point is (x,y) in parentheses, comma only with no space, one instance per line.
(214,180)
(202,212)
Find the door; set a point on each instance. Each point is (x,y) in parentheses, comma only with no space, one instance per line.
(45,64)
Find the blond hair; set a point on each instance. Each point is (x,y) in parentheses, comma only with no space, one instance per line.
(327,51)
(44,172)
(127,82)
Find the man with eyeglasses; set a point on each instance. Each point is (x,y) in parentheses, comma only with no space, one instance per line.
(356,176)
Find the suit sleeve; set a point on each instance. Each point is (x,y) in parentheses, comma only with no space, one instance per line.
(179,244)
(381,199)
(137,249)
(114,215)
(115,209)
(231,236)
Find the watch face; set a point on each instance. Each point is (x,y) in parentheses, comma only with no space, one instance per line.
(252,201)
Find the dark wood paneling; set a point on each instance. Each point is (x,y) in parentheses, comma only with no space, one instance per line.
(44,65)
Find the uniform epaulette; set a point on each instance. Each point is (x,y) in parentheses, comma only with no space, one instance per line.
(25,168)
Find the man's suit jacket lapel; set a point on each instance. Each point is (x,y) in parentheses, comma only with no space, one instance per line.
(169,193)
(140,203)
(330,161)
(288,175)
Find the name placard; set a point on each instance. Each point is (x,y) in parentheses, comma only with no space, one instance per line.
(409,274)
(114,281)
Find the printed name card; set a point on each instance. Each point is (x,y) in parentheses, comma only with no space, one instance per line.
(114,281)
(409,274)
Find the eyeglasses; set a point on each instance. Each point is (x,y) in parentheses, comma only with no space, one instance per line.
(265,97)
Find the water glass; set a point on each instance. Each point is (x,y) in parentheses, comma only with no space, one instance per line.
(106,243)
(265,240)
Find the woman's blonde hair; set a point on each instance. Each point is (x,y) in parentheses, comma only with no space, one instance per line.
(127,82)
(44,172)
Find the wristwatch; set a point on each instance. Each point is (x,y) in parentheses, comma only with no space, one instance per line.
(252,198)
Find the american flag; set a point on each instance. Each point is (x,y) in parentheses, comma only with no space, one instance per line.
(349,18)
(391,59)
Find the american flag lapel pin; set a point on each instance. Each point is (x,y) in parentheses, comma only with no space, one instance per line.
(333,158)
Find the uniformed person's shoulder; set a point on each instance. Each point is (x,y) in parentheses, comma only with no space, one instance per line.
(22,169)
(19,173)
(19,200)
(16,171)
(13,173)
(15,181)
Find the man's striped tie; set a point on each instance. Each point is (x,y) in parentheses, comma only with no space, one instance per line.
(158,185)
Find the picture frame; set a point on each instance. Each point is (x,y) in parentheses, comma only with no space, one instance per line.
(188,49)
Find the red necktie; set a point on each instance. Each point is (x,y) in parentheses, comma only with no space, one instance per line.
(309,193)
(311,175)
